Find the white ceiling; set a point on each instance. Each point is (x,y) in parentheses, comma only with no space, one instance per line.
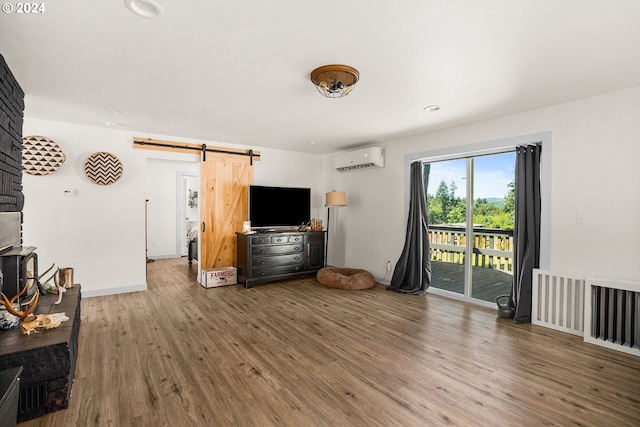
(238,72)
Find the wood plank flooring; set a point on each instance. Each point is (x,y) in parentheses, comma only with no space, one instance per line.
(294,353)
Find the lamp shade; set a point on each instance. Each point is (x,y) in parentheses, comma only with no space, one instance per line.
(336,198)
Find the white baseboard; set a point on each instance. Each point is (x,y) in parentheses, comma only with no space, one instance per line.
(167,256)
(114,291)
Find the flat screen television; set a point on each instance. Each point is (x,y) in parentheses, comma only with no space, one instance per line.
(279,207)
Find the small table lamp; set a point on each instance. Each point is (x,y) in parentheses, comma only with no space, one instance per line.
(334,199)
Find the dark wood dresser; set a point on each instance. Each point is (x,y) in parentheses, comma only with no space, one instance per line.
(266,257)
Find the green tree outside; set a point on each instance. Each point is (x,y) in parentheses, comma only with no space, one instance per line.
(446,208)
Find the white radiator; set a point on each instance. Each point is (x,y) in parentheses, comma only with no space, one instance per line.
(558,301)
(612,316)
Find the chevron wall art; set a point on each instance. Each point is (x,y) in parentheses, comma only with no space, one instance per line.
(40,155)
(103,168)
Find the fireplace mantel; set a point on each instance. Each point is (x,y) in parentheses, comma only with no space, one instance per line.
(48,357)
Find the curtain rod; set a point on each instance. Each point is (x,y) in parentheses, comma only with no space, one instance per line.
(203,149)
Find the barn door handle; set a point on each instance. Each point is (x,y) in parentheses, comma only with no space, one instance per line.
(203,227)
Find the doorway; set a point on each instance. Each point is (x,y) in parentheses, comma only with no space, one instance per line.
(187,217)
(220,200)
(167,206)
(470,203)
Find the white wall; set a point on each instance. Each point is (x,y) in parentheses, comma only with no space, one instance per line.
(292,169)
(101,231)
(595,147)
(594,168)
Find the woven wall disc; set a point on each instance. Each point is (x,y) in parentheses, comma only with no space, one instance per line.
(40,155)
(103,168)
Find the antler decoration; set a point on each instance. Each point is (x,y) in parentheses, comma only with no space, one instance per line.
(8,303)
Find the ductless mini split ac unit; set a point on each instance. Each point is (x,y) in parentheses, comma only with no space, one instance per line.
(360,159)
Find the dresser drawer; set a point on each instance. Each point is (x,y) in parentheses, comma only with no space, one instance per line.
(274,271)
(260,240)
(277,239)
(277,249)
(268,261)
(296,238)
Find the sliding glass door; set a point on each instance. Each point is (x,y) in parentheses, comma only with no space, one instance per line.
(447,213)
(470,204)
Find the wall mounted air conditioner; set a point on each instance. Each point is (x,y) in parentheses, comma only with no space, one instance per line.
(360,159)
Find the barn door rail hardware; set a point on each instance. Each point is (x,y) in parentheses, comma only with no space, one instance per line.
(156,144)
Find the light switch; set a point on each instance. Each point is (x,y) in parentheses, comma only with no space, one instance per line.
(69,193)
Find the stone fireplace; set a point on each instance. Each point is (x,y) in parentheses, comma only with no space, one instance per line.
(48,358)
(11,196)
(11,118)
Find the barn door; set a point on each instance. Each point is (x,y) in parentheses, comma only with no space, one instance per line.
(225,176)
(224,181)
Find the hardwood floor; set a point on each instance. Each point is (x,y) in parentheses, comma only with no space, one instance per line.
(297,354)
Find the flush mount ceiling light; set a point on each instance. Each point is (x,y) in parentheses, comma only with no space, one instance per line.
(145,8)
(335,81)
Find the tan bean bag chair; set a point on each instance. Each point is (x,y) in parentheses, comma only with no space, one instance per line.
(346,278)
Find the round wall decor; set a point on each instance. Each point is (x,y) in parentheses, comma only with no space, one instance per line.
(103,168)
(40,155)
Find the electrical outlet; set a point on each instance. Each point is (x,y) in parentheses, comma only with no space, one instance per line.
(388,265)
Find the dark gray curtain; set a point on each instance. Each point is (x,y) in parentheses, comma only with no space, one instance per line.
(526,233)
(412,274)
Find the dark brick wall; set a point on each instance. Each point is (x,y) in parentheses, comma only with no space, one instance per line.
(11,118)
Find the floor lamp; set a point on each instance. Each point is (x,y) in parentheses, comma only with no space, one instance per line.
(146,215)
(334,199)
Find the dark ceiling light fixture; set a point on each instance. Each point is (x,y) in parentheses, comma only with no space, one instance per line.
(335,81)
(145,8)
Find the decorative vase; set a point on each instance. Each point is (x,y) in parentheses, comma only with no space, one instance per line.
(66,277)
